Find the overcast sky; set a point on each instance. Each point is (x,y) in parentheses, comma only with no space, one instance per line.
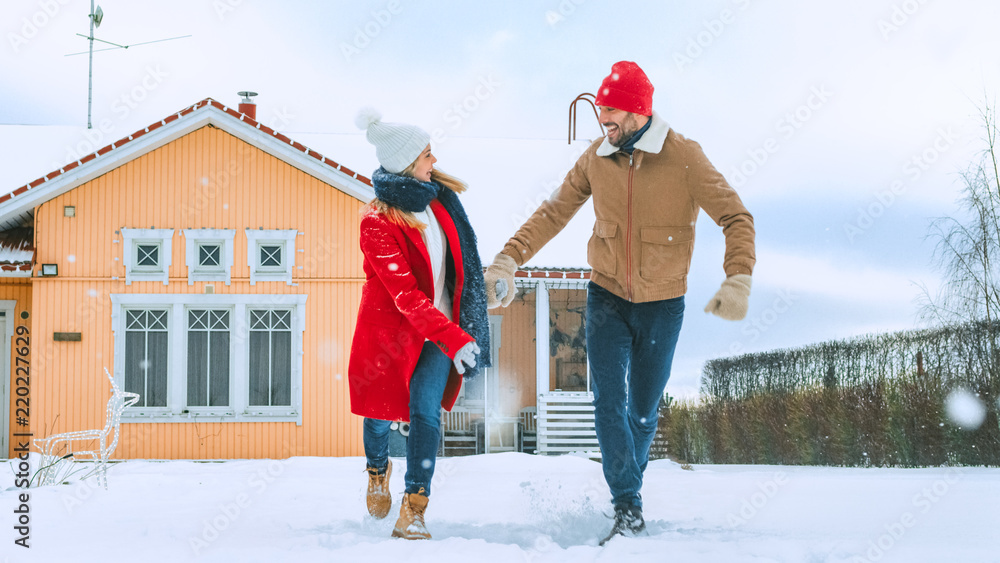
(843,125)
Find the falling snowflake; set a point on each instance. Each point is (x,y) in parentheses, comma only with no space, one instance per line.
(92,292)
(393,267)
(204,180)
(965,409)
(144,365)
(328,352)
(71,258)
(426,464)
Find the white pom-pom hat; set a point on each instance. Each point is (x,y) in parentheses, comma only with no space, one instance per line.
(397,145)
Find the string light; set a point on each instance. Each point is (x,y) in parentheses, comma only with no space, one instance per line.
(54,467)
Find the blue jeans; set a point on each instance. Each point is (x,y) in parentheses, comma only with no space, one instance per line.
(630,347)
(426,390)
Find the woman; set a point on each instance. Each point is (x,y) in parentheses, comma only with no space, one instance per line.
(422,322)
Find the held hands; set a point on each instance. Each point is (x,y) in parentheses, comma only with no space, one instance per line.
(501,289)
(466,354)
(499,279)
(732,299)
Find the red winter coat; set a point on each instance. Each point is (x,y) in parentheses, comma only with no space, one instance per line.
(397,313)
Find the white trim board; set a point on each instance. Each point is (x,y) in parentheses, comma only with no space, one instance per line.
(238,409)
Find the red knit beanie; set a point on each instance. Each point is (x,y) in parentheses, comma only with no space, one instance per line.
(627,89)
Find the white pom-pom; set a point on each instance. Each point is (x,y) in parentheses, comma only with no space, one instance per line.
(366,116)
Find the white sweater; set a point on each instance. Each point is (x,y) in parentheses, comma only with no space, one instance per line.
(436,243)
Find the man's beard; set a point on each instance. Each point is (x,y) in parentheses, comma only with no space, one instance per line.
(626,129)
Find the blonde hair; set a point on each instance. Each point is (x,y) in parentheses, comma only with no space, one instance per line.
(400,217)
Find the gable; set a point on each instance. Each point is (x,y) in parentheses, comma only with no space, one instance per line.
(16,207)
(206,179)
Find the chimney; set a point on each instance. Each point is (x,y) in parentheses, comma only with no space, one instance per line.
(247,106)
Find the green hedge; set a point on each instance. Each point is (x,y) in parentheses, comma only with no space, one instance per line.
(966,354)
(898,422)
(875,400)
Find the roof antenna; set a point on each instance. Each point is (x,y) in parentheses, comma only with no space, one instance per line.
(96,16)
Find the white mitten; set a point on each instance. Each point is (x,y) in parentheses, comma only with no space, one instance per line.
(466,354)
(502,269)
(501,289)
(732,299)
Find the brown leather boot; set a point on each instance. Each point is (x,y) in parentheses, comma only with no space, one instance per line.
(411,518)
(379,499)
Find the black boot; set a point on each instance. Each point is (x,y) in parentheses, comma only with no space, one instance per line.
(628,522)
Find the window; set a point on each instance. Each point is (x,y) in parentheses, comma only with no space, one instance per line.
(146,355)
(271,255)
(147,254)
(235,357)
(147,257)
(208,338)
(270,351)
(208,254)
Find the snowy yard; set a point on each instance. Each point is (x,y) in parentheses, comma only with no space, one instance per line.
(509,508)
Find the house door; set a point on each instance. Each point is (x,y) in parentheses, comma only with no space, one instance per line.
(5,386)
(7,322)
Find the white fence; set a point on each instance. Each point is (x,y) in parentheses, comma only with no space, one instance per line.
(566,423)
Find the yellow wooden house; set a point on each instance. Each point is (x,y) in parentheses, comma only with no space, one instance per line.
(199,259)
(212,264)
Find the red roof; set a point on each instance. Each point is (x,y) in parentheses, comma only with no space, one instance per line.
(206,102)
(554,273)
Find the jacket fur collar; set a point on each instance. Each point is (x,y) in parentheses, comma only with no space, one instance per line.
(651,141)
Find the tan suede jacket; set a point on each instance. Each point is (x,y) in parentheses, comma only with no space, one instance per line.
(646,206)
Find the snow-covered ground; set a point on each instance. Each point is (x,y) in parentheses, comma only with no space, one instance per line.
(508,508)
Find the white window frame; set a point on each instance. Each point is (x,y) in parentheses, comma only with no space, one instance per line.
(193,239)
(120,358)
(132,238)
(283,237)
(239,409)
(207,410)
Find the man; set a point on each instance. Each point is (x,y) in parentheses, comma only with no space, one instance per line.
(648,183)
